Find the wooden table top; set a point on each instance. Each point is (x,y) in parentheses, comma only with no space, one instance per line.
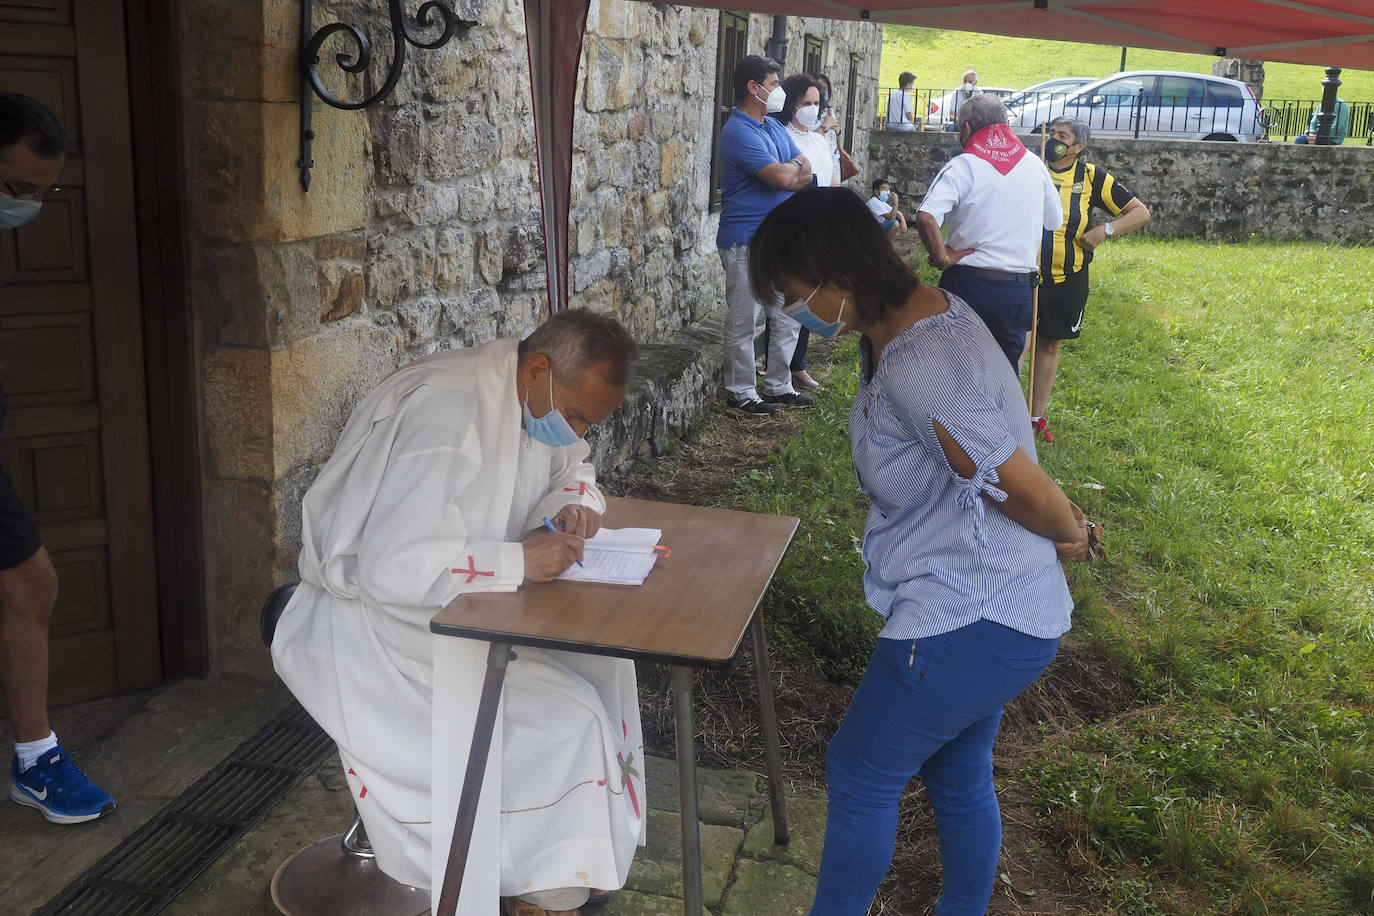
(693,608)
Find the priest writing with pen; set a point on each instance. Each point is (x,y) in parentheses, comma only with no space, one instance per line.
(440,484)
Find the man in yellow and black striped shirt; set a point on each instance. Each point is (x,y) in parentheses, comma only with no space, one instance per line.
(1066,252)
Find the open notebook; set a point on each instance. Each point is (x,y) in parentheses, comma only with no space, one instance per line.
(620,556)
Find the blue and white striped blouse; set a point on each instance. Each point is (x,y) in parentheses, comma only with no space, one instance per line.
(937,557)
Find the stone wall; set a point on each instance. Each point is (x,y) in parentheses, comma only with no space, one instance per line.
(1222,191)
(421,231)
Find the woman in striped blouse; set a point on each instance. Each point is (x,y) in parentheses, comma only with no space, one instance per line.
(962,548)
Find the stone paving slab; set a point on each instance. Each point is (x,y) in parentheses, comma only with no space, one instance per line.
(657,867)
(145,749)
(769,889)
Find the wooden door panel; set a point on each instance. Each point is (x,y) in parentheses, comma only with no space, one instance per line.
(83,604)
(48,359)
(75,441)
(51,249)
(57,12)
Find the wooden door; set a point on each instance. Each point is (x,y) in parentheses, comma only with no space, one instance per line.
(76,440)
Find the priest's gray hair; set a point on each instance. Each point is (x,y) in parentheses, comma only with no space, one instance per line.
(575,340)
(982,110)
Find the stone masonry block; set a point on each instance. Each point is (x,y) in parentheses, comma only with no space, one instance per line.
(460,146)
(615,19)
(249,54)
(238,420)
(244,186)
(315,384)
(611,77)
(239,525)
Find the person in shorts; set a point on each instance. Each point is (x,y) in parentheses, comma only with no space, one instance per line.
(1065,252)
(883,205)
(42,775)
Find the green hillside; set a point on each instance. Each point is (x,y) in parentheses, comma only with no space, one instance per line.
(938,57)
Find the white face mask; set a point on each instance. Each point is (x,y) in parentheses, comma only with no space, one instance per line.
(775,101)
(808,116)
(968,87)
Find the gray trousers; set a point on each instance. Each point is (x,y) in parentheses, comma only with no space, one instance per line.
(741,325)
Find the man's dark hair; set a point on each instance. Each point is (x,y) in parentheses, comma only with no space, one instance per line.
(795,86)
(575,340)
(752,69)
(828,235)
(879,182)
(28,121)
(906,79)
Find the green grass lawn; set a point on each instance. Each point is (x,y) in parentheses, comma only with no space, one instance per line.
(939,57)
(1222,394)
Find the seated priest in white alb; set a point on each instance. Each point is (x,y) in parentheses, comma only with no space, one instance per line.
(439,486)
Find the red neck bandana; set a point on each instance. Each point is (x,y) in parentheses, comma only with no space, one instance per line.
(996,145)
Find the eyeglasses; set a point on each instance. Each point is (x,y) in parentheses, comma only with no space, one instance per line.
(15,193)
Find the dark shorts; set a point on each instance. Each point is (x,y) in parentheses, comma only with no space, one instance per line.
(1062,305)
(19,538)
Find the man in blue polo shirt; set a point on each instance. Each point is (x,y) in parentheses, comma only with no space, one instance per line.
(760,167)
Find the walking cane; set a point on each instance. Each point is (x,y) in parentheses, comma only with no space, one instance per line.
(1035,301)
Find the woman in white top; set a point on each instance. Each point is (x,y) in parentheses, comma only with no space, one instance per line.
(802,114)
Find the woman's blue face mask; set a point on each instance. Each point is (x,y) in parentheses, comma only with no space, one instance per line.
(800,312)
(552,428)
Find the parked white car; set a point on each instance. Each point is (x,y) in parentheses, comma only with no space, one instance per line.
(1156,103)
(1057,88)
(941,111)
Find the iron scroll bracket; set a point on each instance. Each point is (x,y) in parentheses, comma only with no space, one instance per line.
(432,16)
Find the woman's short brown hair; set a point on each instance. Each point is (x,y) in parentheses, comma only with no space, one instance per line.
(828,235)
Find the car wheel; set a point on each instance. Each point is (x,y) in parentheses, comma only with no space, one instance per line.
(1220,137)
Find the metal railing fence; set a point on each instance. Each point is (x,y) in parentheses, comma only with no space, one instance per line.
(1139,115)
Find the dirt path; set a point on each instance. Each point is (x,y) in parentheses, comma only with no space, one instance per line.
(1035,877)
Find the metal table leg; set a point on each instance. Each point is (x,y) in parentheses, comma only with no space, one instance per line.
(768,718)
(497,658)
(687,790)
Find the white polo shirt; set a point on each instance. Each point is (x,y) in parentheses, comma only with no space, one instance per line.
(1000,216)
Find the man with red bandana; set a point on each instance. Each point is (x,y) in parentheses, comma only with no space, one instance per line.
(996,201)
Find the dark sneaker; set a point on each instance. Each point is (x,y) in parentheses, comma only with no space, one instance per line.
(1041,426)
(750,405)
(57,788)
(790,399)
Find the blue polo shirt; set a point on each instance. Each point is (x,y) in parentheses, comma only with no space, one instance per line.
(745,147)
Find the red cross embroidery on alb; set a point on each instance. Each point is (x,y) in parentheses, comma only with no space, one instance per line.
(582,489)
(472,572)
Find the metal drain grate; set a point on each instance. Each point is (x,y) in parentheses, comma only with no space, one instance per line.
(158,860)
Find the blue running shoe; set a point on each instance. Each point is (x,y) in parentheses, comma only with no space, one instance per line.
(55,786)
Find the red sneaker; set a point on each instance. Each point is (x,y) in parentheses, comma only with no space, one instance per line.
(1042,429)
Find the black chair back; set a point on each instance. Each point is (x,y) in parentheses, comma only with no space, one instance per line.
(272,608)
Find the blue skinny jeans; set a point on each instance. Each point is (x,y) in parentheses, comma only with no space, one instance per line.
(929,706)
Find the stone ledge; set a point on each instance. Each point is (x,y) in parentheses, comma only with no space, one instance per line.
(675,381)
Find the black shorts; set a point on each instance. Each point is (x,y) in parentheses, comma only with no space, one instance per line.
(1061,307)
(19,538)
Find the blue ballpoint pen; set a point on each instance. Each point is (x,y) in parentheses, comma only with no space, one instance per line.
(549,525)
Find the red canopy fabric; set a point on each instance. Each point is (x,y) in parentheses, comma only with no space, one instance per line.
(1332,33)
(553,34)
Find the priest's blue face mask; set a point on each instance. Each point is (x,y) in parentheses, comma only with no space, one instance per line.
(800,312)
(552,428)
